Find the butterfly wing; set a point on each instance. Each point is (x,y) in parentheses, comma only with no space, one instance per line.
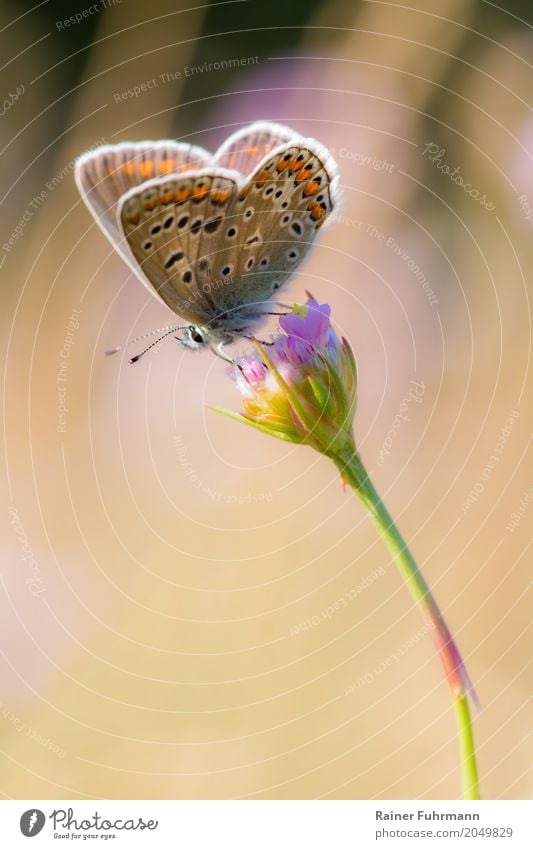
(208,244)
(105,174)
(272,222)
(173,228)
(245,148)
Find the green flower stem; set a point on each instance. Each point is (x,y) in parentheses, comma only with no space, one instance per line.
(354,473)
(467,748)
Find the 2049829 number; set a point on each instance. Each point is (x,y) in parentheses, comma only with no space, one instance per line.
(496,831)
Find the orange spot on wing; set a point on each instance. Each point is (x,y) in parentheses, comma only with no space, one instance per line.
(311,188)
(261,179)
(129,168)
(200,191)
(146,169)
(167,197)
(303,174)
(167,166)
(294,166)
(151,204)
(220,196)
(182,194)
(317,212)
(282,164)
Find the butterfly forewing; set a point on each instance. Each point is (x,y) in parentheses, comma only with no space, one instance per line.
(247,147)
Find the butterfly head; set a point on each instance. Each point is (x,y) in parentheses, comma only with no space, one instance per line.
(194,337)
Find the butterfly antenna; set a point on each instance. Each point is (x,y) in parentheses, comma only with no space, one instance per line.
(137,357)
(169,328)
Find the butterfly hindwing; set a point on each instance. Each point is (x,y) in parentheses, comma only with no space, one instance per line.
(272,222)
(173,229)
(107,173)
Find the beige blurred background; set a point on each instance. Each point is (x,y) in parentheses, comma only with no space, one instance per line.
(159,561)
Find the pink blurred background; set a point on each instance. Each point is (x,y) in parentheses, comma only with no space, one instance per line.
(158,559)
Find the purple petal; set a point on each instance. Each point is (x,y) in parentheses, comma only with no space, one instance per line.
(311,327)
(253,370)
(291,350)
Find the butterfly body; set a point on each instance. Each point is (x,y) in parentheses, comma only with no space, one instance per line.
(213,241)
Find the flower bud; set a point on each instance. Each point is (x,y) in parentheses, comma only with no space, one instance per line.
(302,386)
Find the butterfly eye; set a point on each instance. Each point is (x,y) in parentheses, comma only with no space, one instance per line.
(196,335)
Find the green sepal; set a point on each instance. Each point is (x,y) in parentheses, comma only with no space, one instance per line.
(263,428)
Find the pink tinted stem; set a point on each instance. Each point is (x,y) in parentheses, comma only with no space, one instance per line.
(354,473)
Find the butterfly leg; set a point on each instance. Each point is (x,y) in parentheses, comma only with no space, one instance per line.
(261,341)
(219,352)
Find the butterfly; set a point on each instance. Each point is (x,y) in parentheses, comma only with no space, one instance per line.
(212,236)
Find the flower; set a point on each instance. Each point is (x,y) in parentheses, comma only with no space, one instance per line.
(302,386)
(307,329)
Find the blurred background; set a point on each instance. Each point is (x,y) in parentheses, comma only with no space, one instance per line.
(192,610)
